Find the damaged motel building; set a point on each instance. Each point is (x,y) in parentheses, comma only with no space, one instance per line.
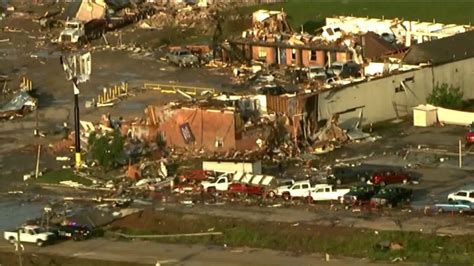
(400,61)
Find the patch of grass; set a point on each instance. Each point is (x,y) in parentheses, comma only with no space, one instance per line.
(304,238)
(311,14)
(54,177)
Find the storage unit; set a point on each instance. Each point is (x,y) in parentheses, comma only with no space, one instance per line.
(254,167)
(424,115)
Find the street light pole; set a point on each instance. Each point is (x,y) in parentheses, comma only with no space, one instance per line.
(77,67)
(76,124)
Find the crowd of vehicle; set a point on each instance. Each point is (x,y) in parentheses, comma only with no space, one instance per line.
(349,186)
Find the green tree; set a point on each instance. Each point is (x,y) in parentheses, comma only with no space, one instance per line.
(106,150)
(446,96)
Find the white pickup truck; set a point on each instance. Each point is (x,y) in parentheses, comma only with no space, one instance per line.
(300,189)
(221,183)
(323,192)
(30,234)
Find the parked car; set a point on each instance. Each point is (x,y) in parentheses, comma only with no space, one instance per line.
(317,73)
(391,196)
(300,189)
(389,177)
(73,231)
(282,185)
(347,174)
(344,69)
(359,194)
(182,58)
(324,192)
(30,234)
(467,195)
(461,206)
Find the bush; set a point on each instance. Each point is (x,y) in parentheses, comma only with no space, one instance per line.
(446,96)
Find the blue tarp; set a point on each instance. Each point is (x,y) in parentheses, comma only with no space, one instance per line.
(19,100)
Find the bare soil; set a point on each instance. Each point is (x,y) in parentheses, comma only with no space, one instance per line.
(30,259)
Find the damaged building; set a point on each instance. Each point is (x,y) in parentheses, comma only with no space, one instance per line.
(211,126)
(448,60)
(272,41)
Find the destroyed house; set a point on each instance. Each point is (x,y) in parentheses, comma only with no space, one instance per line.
(271,40)
(211,128)
(299,110)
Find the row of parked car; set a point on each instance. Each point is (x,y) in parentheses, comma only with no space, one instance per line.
(288,189)
(349,185)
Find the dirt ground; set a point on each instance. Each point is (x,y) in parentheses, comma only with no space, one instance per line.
(29,259)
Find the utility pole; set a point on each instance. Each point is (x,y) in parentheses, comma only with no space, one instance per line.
(38,161)
(76,124)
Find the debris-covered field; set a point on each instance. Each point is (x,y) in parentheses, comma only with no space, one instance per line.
(144,133)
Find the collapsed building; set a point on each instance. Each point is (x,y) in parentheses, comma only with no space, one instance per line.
(231,122)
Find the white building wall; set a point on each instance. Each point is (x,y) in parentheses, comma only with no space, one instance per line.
(379,99)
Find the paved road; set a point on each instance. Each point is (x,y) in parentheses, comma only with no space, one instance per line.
(169,254)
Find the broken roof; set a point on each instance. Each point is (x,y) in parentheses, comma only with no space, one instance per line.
(375,46)
(262,14)
(454,48)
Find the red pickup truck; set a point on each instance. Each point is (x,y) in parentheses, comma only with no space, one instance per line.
(389,177)
(239,188)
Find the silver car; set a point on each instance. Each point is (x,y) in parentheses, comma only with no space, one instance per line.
(182,58)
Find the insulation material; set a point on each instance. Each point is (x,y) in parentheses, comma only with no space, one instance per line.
(453,117)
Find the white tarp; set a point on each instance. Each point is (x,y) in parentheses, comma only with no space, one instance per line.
(453,117)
